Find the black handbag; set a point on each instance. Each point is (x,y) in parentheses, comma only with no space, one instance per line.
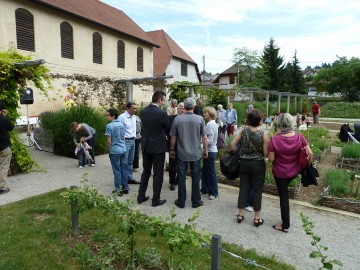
(229,166)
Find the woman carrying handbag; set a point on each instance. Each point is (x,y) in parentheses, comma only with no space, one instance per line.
(284,153)
(253,148)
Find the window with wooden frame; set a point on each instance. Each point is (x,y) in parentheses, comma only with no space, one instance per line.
(232,79)
(67,40)
(183,68)
(97,48)
(24,30)
(120,54)
(140,59)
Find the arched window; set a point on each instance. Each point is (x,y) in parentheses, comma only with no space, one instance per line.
(67,40)
(97,48)
(140,59)
(24,30)
(120,54)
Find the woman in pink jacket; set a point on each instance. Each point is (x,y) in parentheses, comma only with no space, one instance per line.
(284,153)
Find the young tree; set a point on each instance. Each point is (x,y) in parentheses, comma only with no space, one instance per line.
(247,61)
(272,67)
(342,77)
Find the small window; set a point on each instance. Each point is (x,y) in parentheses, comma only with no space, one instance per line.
(25,30)
(97,48)
(120,54)
(67,41)
(183,68)
(140,59)
(232,79)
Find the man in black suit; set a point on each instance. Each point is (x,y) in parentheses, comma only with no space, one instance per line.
(156,125)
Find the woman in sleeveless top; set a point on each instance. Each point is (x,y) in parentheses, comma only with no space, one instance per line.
(253,147)
(284,153)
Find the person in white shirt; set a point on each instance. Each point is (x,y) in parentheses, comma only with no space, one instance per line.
(128,119)
(209,180)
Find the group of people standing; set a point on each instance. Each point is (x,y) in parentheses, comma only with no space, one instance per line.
(227,119)
(189,137)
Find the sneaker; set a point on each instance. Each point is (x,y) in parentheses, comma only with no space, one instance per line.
(211,197)
(80,167)
(92,165)
(249,209)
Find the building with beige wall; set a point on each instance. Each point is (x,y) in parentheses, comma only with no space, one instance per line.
(76,37)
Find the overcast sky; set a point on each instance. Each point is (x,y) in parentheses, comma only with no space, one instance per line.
(318,29)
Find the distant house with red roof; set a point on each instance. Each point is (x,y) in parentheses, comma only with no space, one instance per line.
(171,59)
(78,37)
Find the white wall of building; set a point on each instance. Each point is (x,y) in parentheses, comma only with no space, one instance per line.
(48,47)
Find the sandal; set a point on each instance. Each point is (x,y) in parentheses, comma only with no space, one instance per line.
(3,191)
(240,218)
(284,230)
(259,222)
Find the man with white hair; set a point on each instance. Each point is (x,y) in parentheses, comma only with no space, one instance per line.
(187,132)
(221,118)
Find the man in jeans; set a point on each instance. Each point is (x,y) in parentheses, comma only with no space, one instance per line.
(115,140)
(187,132)
(128,119)
(5,150)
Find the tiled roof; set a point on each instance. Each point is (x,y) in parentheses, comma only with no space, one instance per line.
(168,49)
(100,13)
(230,71)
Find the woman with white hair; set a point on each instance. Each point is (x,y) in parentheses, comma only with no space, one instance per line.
(209,180)
(284,153)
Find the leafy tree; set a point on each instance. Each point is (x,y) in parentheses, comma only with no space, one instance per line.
(180,90)
(272,67)
(216,96)
(342,77)
(13,78)
(247,61)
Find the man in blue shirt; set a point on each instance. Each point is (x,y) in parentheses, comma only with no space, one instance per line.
(128,119)
(115,140)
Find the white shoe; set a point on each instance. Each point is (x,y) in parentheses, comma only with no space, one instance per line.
(211,197)
(249,208)
(92,165)
(80,167)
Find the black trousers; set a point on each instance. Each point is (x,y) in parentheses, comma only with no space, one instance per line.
(252,175)
(155,162)
(283,190)
(136,154)
(173,178)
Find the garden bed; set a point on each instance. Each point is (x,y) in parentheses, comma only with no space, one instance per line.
(348,163)
(344,204)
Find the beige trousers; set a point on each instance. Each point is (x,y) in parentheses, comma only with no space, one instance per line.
(5,158)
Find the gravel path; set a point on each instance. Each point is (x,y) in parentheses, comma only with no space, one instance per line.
(339,231)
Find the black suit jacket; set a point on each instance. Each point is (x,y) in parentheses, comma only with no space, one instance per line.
(156,125)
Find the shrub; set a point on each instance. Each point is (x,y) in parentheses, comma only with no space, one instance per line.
(59,123)
(338,181)
(351,151)
(340,110)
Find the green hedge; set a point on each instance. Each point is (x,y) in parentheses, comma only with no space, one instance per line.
(59,123)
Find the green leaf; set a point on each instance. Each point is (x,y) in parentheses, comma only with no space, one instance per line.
(328,265)
(315,254)
(337,262)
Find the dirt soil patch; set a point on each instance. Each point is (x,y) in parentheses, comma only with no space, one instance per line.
(312,193)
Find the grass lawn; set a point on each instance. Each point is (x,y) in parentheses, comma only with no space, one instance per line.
(36,234)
